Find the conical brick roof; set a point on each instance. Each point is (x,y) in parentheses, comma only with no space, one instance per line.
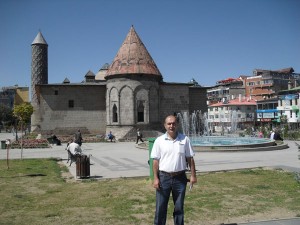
(133,58)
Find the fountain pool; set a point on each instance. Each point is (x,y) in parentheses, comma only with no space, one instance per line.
(226,143)
(196,127)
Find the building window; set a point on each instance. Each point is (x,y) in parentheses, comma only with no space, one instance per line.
(140,111)
(71,103)
(115,114)
(56,92)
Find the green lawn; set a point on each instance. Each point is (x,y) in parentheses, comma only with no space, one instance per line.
(35,192)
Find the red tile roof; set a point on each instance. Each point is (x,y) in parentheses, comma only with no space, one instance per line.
(133,58)
(235,102)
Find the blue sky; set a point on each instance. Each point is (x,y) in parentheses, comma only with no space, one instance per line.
(206,40)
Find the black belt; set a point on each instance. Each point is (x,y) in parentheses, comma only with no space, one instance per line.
(172,174)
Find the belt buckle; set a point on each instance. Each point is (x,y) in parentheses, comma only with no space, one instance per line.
(176,173)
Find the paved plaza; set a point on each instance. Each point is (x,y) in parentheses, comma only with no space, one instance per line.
(124,159)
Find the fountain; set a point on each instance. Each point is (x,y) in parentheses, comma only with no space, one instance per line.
(234,121)
(194,125)
(197,128)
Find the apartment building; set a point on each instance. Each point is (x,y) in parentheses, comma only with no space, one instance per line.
(228,115)
(265,84)
(288,107)
(225,90)
(14,95)
(267,112)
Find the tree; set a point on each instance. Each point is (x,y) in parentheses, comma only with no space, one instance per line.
(6,115)
(23,113)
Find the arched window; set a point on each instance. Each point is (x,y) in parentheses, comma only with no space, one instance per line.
(140,111)
(115,114)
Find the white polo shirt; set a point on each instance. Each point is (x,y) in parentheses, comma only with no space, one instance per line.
(172,154)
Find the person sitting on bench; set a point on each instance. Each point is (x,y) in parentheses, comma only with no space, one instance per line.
(111,137)
(55,140)
(73,151)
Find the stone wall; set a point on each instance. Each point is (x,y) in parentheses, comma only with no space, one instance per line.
(64,108)
(127,95)
(56,113)
(174,98)
(198,98)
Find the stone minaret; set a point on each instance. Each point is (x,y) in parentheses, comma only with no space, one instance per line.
(39,75)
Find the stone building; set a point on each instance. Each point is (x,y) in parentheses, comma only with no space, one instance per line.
(127,94)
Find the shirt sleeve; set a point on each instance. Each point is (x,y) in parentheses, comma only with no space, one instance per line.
(189,152)
(155,152)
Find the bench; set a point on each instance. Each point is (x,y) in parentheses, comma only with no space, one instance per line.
(50,140)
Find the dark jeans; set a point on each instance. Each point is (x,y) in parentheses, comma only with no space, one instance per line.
(168,184)
(139,138)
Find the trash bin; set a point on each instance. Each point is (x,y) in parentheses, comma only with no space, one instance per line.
(83,166)
(151,142)
(3,145)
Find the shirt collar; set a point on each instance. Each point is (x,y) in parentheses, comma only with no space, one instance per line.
(178,138)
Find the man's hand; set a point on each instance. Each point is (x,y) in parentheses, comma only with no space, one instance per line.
(193,179)
(156,183)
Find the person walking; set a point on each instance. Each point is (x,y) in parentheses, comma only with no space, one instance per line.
(139,136)
(272,134)
(78,137)
(170,153)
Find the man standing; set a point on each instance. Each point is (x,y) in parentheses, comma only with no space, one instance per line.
(170,153)
(78,137)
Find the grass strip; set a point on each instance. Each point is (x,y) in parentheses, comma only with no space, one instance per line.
(33,191)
